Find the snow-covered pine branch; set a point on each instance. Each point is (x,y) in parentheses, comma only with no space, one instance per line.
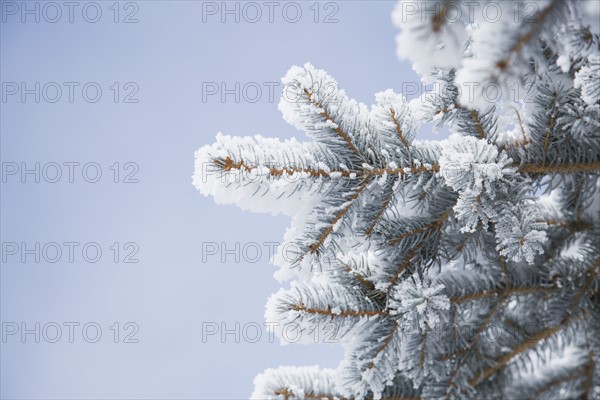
(461,268)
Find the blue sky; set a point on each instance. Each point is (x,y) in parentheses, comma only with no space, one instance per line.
(158,67)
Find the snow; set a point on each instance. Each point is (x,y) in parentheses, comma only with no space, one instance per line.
(260,153)
(470,163)
(564,62)
(551,203)
(419,302)
(325,95)
(297,380)
(588,80)
(477,177)
(443,48)
(574,249)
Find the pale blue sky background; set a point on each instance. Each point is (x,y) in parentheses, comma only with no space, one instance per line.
(170,292)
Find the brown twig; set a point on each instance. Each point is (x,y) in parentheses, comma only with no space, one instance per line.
(345,137)
(522,41)
(401,135)
(345,313)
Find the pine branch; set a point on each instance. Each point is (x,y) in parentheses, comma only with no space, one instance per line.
(227,164)
(315,246)
(453,315)
(577,198)
(437,224)
(289,383)
(380,213)
(343,135)
(591,275)
(463,243)
(530,34)
(589,375)
(368,285)
(405,264)
(497,307)
(401,135)
(440,18)
(525,141)
(580,167)
(477,335)
(554,383)
(502,292)
(386,342)
(445,110)
(368,174)
(403,171)
(423,348)
(451,381)
(578,226)
(504,360)
(363,160)
(344,313)
(475,117)
(288,395)
(401,398)
(550,124)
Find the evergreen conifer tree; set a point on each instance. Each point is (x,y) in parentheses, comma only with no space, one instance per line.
(461,268)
